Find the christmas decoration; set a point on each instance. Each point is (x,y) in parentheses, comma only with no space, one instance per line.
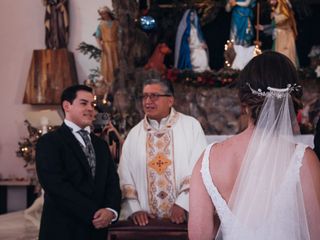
(147,23)
(214,79)
(27,146)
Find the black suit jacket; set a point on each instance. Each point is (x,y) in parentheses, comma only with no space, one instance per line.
(317,140)
(72,195)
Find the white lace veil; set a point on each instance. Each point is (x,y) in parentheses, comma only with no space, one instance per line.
(268,200)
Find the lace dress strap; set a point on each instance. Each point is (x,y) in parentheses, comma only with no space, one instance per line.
(297,161)
(300,149)
(220,204)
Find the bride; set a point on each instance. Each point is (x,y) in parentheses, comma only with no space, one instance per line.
(259,184)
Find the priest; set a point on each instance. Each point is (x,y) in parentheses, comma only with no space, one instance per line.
(157,158)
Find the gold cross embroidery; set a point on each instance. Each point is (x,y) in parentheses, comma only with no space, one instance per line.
(160,163)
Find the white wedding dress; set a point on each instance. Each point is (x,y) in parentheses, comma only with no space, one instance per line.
(276,227)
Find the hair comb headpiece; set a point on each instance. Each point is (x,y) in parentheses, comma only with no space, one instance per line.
(275,92)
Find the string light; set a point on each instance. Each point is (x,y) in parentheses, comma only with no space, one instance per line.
(257,50)
(227,47)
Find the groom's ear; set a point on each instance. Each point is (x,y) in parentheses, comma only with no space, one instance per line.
(66,106)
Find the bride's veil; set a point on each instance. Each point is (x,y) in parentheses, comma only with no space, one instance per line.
(268,199)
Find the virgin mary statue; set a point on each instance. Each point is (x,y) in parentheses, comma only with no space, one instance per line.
(191,51)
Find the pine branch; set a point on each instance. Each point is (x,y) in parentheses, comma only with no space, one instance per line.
(94,74)
(93,51)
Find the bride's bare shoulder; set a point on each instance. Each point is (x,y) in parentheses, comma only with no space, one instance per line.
(232,142)
(311,160)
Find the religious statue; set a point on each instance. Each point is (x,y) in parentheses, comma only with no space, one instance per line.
(283,29)
(107,39)
(242,30)
(157,58)
(241,34)
(191,51)
(56,23)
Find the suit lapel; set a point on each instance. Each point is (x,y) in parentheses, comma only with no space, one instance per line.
(74,145)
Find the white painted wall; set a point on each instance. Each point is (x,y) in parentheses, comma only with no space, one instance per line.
(22,31)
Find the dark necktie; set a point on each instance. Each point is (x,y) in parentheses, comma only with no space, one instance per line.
(88,150)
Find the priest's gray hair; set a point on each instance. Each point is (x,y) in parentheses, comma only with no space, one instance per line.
(166,85)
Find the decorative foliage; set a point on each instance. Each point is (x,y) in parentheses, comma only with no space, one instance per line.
(27,146)
(223,77)
(93,51)
(94,78)
(94,74)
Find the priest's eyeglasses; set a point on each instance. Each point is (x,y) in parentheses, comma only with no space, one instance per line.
(153,96)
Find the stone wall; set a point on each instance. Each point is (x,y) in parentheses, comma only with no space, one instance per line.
(217,109)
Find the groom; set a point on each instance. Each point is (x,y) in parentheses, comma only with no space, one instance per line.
(75,168)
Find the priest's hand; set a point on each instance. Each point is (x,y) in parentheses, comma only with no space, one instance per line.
(102,218)
(178,214)
(141,218)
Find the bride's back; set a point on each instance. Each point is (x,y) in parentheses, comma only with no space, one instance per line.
(225,161)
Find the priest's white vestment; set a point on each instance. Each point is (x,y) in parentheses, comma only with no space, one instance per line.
(156,164)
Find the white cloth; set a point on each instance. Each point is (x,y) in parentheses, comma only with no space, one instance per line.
(243,56)
(16,226)
(188,140)
(230,226)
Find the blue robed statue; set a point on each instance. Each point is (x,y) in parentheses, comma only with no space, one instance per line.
(191,51)
(242,28)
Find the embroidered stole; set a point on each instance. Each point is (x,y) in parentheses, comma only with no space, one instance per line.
(160,168)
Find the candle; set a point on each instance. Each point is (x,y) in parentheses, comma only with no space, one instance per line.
(44,121)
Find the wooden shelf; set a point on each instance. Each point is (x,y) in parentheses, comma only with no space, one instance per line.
(25,182)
